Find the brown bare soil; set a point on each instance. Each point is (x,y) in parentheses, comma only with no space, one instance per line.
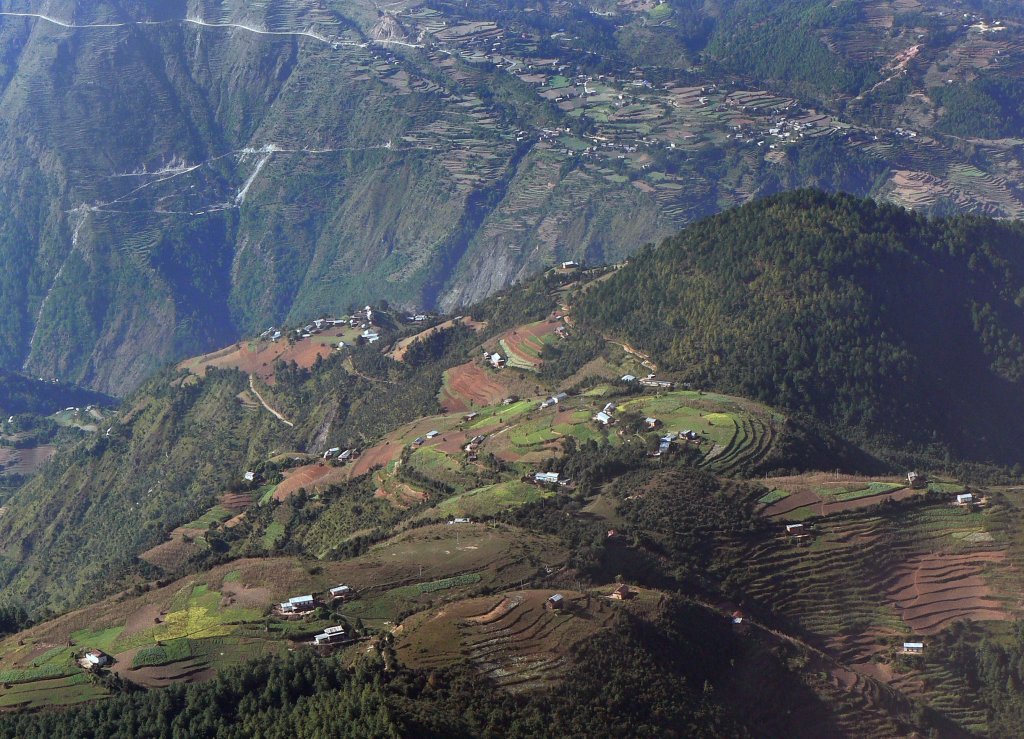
(310,477)
(470,385)
(25,461)
(378,456)
(172,553)
(245,596)
(236,501)
(932,590)
(141,619)
(188,671)
(258,357)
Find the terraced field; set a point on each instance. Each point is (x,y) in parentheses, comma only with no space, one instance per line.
(865,584)
(735,435)
(187,630)
(470,386)
(820,494)
(523,345)
(25,461)
(512,638)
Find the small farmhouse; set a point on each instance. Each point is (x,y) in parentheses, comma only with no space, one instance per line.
(965,499)
(546,478)
(341,592)
(662,384)
(96,658)
(913,647)
(299,604)
(497,361)
(556,602)
(603,418)
(330,635)
(622,593)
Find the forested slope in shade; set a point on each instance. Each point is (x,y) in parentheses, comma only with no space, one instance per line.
(867,316)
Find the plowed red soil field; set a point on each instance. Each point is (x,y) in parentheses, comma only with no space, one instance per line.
(310,477)
(258,357)
(470,384)
(931,591)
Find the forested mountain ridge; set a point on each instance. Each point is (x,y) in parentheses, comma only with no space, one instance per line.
(179,176)
(872,318)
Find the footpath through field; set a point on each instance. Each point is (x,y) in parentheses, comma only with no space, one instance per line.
(281,418)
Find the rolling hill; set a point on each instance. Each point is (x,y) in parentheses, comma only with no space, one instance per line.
(772,571)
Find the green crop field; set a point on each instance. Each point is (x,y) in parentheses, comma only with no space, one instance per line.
(274,531)
(265,493)
(64,691)
(488,416)
(195,612)
(104,639)
(55,668)
(489,500)
(773,496)
(530,434)
(162,654)
(865,491)
(215,515)
(449,582)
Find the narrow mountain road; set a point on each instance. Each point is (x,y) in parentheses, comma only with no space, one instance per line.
(282,419)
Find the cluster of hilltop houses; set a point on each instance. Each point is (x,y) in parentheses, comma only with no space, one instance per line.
(301,604)
(342,455)
(361,319)
(649,381)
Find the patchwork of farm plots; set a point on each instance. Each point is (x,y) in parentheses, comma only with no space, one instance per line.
(731,434)
(188,630)
(865,584)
